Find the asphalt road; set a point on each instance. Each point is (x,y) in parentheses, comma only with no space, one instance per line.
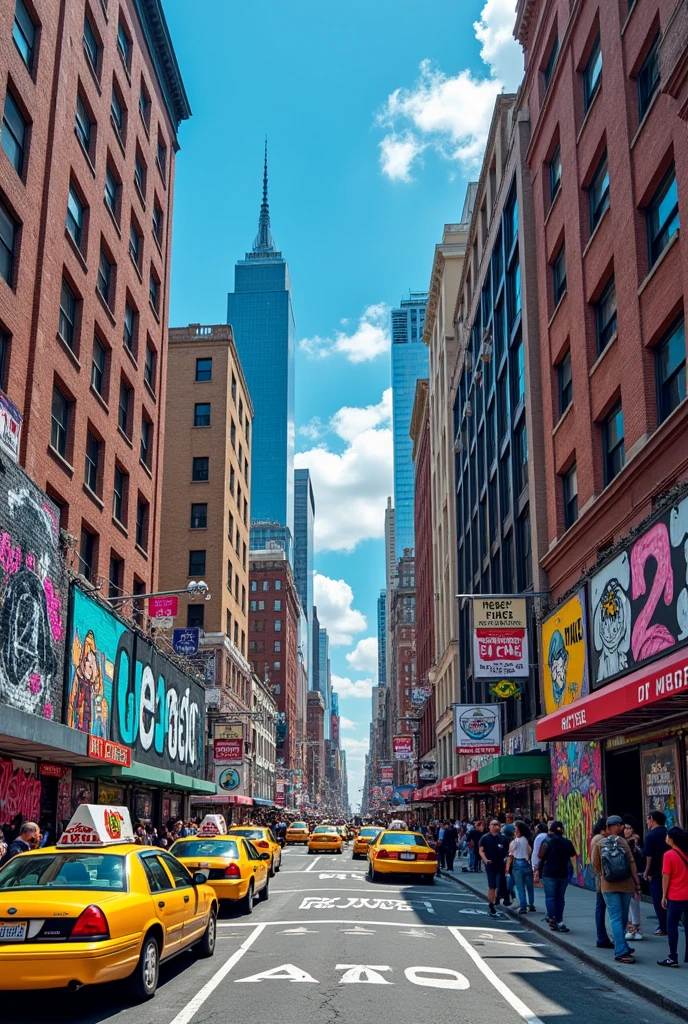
(310,953)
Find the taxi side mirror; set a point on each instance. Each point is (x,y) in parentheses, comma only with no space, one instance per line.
(265,856)
(199,878)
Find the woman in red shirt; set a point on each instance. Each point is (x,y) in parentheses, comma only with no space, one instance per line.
(675,890)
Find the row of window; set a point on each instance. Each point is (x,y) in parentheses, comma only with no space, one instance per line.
(204,375)
(258,626)
(265,585)
(259,606)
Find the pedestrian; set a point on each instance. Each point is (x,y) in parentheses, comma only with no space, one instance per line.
(555,856)
(540,836)
(494,849)
(28,839)
(449,844)
(635,927)
(599,833)
(675,892)
(654,849)
(508,826)
(519,866)
(475,834)
(613,861)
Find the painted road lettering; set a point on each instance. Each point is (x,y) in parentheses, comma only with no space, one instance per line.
(359,903)
(362,974)
(365,974)
(287,972)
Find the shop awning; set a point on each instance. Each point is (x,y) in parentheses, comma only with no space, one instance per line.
(638,700)
(458,785)
(263,803)
(31,736)
(139,772)
(223,798)
(515,768)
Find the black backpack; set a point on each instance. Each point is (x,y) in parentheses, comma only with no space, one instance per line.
(615,865)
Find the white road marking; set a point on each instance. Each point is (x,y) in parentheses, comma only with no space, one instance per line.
(511,998)
(301,931)
(357,931)
(312,864)
(363,974)
(287,972)
(378,924)
(415,933)
(445,977)
(185,1015)
(412,890)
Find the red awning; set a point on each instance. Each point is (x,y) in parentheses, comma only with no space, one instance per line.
(640,699)
(465,783)
(224,798)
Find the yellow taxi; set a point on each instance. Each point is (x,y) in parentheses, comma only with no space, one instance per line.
(365,836)
(263,839)
(98,908)
(395,852)
(325,839)
(297,832)
(232,865)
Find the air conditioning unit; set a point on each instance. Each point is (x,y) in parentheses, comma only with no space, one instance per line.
(478,378)
(485,353)
(467,409)
(458,444)
(468,360)
(212,699)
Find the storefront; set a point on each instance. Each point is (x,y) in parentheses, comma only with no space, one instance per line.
(519,783)
(236,809)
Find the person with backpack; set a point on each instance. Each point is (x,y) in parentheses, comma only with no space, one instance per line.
(675,891)
(613,861)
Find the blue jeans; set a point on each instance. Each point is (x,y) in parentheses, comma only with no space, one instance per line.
(523,879)
(656,894)
(555,890)
(600,922)
(474,861)
(675,911)
(618,904)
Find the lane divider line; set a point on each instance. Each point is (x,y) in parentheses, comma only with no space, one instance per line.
(192,1007)
(376,924)
(511,998)
(312,864)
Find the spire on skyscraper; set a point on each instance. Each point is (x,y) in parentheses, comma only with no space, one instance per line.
(264,242)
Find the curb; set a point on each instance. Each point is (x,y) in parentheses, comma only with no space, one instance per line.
(639,987)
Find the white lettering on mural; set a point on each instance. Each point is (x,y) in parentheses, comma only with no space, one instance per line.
(574,720)
(147,709)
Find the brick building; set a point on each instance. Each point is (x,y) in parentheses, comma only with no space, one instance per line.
(92,100)
(315,736)
(403,657)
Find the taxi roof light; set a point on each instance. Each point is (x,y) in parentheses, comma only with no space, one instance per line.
(95,825)
(91,924)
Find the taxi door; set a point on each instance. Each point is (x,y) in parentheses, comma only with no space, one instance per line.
(258,866)
(195,908)
(169,902)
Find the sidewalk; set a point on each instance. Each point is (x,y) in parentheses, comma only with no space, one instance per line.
(665,986)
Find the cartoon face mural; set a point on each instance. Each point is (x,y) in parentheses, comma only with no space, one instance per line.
(564,639)
(577,799)
(32,597)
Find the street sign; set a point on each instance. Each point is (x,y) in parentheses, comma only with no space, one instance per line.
(185,641)
(228,751)
(163,621)
(163,607)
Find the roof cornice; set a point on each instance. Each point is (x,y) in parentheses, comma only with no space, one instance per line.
(159,42)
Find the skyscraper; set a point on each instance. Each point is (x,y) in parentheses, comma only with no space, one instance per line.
(260,312)
(409,363)
(304,523)
(382,638)
(324,681)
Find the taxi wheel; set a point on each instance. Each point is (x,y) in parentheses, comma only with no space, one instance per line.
(144,980)
(278,865)
(272,868)
(246,904)
(264,894)
(206,947)
(429,879)
(372,873)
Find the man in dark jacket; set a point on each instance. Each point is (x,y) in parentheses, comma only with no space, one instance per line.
(653,850)
(28,839)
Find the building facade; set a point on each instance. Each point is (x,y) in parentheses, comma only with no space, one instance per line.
(304,527)
(315,735)
(260,312)
(403,660)
(92,104)
(262,749)
(382,638)
(409,362)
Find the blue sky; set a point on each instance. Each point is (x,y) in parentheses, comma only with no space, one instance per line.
(376,115)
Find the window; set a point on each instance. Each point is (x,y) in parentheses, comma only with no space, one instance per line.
(200,466)
(519,374)
(135,245)
(91,42)
(119,494)
(154,292)
(149,367)
(202,414)
(162,156)
(662,216)
(559,276)
(115,576)
(142,523)
(157,221)
(570,488)
(266,585)
(526,567)
(67,321)
(117,113)
(13,133)
(24,33)
(514,292)
(234,388)
(75,216)
(92,461)
(104,277)
(599,192)
(83,124)
(4,357)
(98,365)
(129,327)
(144,104)
(277,606)
(521,459)
(549,67)
(199,516)
(194,616)
(87,552)
(8,238)
(613,443)
(555,174)
(197,563)
(123,407)
(671,370)
(139,588)
(254,586)
(277,646)
(59,422)
(146,443)
(565,381)
(124,44)
(592,75)
(605,316)
(204,369)
(112,187)
(278,625)
(232,434)
(508,564)
(278,585)
(140,174)
(648,78)
(277,665)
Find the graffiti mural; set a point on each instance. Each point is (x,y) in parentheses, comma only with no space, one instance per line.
(20,793)
(121,687)
(32,597)
(639,600)
(565,662)
(577,799)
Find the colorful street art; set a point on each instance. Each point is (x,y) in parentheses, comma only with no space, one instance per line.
(564,662)
(20,793)
(95,639)
(577,799)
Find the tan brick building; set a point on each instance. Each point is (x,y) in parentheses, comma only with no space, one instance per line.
(206,494)
(92,98)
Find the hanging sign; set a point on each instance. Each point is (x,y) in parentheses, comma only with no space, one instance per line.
(478,729)
(500,637)
(163,607)
(185,641)
(228,751)
(403,748)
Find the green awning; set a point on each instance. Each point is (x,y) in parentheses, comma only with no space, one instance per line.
(516,768)
(148,773)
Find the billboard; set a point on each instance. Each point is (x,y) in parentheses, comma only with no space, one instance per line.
(565,654)
(386,773)
(500,638)
(228,751)
(419,695)
(403,748)
(478,729)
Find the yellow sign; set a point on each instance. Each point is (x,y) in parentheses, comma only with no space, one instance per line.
(229,732)
(564,654)
(502,612)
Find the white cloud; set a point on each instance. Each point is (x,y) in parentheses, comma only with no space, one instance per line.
(314,429)
(351,486)
(452,114)
(370,339)
(363,658)
(355,749)
(346,723)
(333,599)
(360,688)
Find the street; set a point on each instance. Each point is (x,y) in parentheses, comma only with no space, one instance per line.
(325,927)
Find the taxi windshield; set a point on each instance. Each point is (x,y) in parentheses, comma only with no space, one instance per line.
(65,871)
(326,828)
(370,832)
(247,833)
(205,848)
(299,824)
(402,839)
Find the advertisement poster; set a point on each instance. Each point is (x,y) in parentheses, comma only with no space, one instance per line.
(386,773)
(500,638)
(228,779)
(113,795)
(403,748)
(402,795)
(419,695)
(565,661)
(228,751)
(427,772)
(659,768)
(478,729)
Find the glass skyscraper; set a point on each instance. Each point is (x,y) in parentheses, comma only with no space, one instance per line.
(260,312)
(382,638)
(304,526)
(409,363)
(324,678)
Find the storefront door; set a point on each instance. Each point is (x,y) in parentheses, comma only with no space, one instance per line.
(623,784)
